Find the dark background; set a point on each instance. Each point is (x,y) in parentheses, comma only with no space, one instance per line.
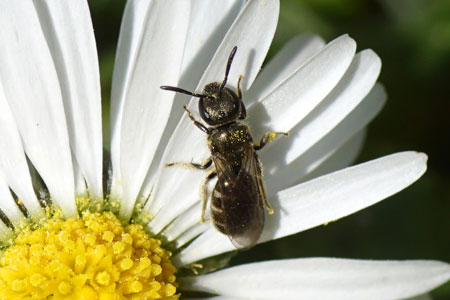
(412,37)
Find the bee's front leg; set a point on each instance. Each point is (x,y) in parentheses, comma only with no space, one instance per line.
(267,138)
(239,94)
(197,123)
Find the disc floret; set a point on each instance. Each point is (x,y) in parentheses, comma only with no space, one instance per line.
(93,257)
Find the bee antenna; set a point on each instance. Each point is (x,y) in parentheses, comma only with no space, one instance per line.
(227,71)
(179,90)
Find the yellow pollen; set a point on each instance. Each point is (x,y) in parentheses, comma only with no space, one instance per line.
(18,285)
(94,257)
(36,279)
(126,264)
(80,263)
(118,247)
(132,288)
(64,288)
(103,278)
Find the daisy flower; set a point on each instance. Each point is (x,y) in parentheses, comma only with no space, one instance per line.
(71,231)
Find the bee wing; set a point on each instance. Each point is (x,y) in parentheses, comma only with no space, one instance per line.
(241,199)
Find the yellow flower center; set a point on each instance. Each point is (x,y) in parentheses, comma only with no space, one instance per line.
(91,258)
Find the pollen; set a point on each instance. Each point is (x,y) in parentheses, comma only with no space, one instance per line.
(91,258)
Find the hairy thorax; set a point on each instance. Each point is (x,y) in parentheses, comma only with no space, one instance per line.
(232,141)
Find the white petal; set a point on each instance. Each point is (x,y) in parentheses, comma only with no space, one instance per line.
(252,32)
(80,182)
(187,225)
(13,161)
(208,244)
(183,222)
(220,298)
(147,107)
(280,175)
(322,200)
(299,94)
(75,57)
(5,233)
(339,158)
(349,92)
(339,194)
(208,23)
(7,203)
(32,89)
(130,39)
(290,58)
(191,233)
(324,278)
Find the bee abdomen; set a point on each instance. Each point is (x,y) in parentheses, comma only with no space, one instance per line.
(217,213)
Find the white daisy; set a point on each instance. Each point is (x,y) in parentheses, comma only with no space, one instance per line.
(50,124)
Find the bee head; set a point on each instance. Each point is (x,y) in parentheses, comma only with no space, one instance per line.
(218,104)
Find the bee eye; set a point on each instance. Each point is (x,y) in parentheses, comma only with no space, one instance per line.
(203,113)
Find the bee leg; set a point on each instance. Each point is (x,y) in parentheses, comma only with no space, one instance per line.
(266,203)
(262,193)
(196,123)
(204,193)
(267,138)
(190,165)
(239,94)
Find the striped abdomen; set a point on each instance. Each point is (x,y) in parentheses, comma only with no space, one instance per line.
(237,212)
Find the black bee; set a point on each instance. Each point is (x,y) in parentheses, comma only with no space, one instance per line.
(238,199)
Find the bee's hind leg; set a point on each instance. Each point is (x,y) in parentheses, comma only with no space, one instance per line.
(204,193)
(190,165)
(267,138)
(264,199)
(262,193)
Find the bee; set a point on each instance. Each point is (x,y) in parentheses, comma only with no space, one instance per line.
(238,198)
